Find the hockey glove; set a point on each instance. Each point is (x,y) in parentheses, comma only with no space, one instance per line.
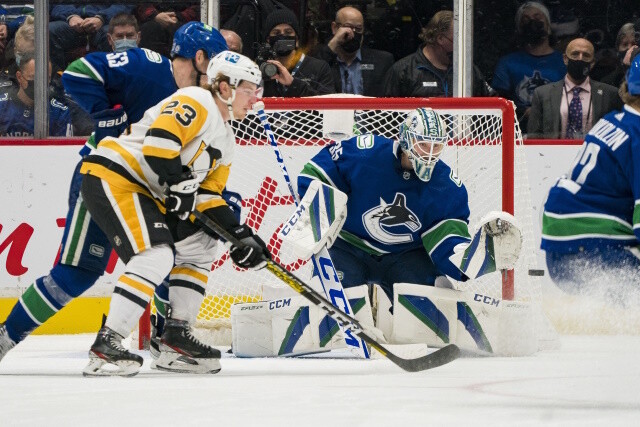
(110,122)
(253,252)
(181,197)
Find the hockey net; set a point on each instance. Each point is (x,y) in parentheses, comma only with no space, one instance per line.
(486,151)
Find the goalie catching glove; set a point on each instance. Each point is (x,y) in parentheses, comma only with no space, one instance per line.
(495,246)
(253,252)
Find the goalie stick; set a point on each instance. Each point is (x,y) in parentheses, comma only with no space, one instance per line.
(321,261)
(348,323)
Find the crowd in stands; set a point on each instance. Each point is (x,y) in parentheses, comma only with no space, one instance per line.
(561,74)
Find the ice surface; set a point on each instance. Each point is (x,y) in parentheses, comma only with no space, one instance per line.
(589,381)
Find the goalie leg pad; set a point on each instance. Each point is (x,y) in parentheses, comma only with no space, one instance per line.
(476,323)
(317,220)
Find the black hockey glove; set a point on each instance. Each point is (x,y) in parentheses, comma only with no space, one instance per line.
(110,122)
(181,196)
(253,253)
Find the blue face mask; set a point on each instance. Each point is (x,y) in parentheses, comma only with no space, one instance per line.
(124,44)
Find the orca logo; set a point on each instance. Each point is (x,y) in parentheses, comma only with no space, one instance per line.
(380,220)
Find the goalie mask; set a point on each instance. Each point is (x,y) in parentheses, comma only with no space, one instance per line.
(423,135)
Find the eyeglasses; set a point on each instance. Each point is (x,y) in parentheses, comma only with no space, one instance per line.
(355,28)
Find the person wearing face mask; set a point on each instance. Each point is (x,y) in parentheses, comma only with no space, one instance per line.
(16,106)
(298,74)
(569,107)
(356,68)
(429,71)
(536,63)
(626,42)
(123,32)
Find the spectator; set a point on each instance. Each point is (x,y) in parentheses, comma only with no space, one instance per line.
(75,26)
(568,108)
(16,106)
(625,40)
(123,32)
(519,73)
(297,74)
(356,68)
(234,41)
(429,71)
(23,43)
(159,21)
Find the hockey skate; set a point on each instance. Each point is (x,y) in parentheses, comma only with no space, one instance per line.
(6,343)
(154,341)
(181,352)
(108,357)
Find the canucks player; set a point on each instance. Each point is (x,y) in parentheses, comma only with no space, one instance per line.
(410,227)
(591,219)
(116,89)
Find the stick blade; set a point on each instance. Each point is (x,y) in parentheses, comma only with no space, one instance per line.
(439,357)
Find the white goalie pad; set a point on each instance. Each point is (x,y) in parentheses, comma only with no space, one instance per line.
(317,220)
(495,246)
(291,326)
(476,323)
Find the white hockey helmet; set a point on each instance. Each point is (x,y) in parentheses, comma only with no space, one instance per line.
(235,66)
(423,136)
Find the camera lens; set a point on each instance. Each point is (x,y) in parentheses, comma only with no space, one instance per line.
(268,70)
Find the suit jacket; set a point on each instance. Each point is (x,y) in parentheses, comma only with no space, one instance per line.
(375,63)
(544,118)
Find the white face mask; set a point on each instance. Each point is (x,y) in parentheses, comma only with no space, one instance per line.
(124,45)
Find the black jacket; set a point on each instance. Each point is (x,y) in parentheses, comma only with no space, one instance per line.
(375,64)
(415,75)
(312,78)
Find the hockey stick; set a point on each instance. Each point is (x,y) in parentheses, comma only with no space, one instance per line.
(330,282)
(348,323)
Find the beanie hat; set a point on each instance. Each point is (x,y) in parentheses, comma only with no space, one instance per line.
(277,17)
(531,4)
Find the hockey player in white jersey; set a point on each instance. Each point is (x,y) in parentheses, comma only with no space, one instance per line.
(140,189)
(396,216)
(591,220)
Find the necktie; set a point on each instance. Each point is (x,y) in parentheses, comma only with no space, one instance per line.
(348,86)
(574,124)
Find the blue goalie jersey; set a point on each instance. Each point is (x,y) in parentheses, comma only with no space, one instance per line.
(598,203)
(136,79)
(390,210)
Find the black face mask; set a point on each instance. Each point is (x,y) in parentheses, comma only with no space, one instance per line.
(353,44)
(450,56)
(30,89)
(533,32)
(621,54)
(282,49)
(578,70)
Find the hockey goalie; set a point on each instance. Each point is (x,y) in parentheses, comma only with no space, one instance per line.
(396,221)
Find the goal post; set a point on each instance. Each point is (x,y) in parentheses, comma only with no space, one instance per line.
(486,151)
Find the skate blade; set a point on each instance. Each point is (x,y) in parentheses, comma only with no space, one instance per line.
(98,367)
(175,362)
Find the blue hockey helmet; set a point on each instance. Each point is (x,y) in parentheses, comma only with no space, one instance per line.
(194,36)
(633,76)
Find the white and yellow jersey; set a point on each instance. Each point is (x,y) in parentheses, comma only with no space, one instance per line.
(185,130)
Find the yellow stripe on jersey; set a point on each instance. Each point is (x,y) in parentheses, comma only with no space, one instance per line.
(141,286)
(182,116)
(113,178)
(212,203)
(163,153)
(202,278)
(112,144)
(217,179)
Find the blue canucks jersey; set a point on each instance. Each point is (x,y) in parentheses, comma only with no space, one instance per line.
(136,79)
(16,118)
(598,203)
(390,210)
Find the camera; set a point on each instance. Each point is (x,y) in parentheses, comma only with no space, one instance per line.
(266,52)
